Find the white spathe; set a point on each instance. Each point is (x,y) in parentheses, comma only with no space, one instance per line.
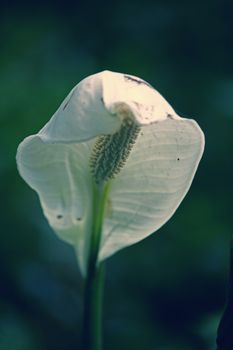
(150,186)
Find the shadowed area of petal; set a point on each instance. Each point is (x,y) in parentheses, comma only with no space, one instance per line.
(155,179)
(82,115)
(59,173)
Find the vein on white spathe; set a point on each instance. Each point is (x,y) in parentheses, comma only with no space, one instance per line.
(147,190)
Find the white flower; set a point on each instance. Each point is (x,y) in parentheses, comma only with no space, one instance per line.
(116,129)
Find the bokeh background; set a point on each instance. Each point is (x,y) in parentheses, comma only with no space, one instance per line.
(167,292)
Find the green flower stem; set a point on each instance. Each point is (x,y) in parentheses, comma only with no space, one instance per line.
(92,322)
(93,293)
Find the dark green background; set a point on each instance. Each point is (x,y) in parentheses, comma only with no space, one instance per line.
(167,292)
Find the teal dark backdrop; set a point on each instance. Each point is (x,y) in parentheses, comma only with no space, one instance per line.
(167,292)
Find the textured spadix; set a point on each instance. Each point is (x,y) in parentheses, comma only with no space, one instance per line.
(148,186)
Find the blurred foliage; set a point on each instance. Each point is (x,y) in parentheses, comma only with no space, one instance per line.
(167,292)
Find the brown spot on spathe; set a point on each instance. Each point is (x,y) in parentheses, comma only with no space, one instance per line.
(136,80)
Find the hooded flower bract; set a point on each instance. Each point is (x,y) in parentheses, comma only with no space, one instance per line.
(118,130)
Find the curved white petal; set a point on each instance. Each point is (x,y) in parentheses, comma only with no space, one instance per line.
(150,186)
(97,105)
(155,179)
(145,103)
(60,175)
(82,115)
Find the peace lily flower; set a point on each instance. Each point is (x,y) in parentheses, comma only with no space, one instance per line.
(114,134)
